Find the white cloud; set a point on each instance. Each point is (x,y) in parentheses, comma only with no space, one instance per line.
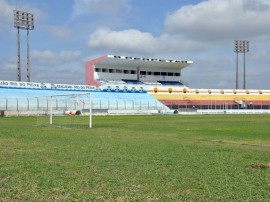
(217,20)
(104,7)
(126,40)
(49,58)
(134,41)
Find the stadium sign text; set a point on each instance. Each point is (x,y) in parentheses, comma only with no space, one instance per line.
(31,85)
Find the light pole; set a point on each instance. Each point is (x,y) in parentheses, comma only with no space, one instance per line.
(246,49)
(23,20)
(241,46)
(236,49)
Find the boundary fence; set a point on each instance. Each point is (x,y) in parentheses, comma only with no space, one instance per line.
(34,104)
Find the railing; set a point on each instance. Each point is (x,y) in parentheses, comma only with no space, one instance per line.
(32,104)
(44,104)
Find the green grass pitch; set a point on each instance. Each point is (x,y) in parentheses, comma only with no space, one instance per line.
(137,158)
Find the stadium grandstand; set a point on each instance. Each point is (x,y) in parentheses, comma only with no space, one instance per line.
(136,84)
(162,80)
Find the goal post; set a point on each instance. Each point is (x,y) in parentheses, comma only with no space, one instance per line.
(68,110)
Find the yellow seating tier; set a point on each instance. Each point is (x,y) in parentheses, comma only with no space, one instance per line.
(186,96)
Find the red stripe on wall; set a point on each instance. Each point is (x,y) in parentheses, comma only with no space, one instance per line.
(89,71)
(213,102)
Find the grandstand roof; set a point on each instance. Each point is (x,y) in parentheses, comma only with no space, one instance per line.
(123,61)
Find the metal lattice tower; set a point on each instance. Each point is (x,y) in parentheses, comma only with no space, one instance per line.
(241,46)
(23,20)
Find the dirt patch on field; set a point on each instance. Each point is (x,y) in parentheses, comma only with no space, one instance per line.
(241,143)
(260,166)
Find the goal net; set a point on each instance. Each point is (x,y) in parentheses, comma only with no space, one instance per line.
(66,110)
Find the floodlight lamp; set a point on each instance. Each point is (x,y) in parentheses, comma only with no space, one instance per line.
(23,20)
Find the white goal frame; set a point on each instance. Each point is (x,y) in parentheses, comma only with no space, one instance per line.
(74,94)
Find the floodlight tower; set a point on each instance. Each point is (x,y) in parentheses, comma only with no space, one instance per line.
(23,20)
(245,49)
(241,46)
(236,50)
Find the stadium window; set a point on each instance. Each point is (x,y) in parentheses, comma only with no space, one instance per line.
(126,72)
(111,70)
(119,71)
(97,69)
(170,74)
(143,73)
(149,73)
(163,73)
(104,70)
(157,73)
(176,74)
(133,72)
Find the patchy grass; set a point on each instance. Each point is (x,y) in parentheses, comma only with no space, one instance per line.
(144,158)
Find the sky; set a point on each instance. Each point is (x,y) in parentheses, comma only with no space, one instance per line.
(69,32)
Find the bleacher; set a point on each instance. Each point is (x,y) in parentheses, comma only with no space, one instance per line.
(129,81)
(151,83)
(12,99)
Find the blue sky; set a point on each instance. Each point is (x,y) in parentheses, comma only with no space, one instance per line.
(69,32)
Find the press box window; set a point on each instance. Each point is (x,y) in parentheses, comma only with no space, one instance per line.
(143,73)
(97,70)
(163,73)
